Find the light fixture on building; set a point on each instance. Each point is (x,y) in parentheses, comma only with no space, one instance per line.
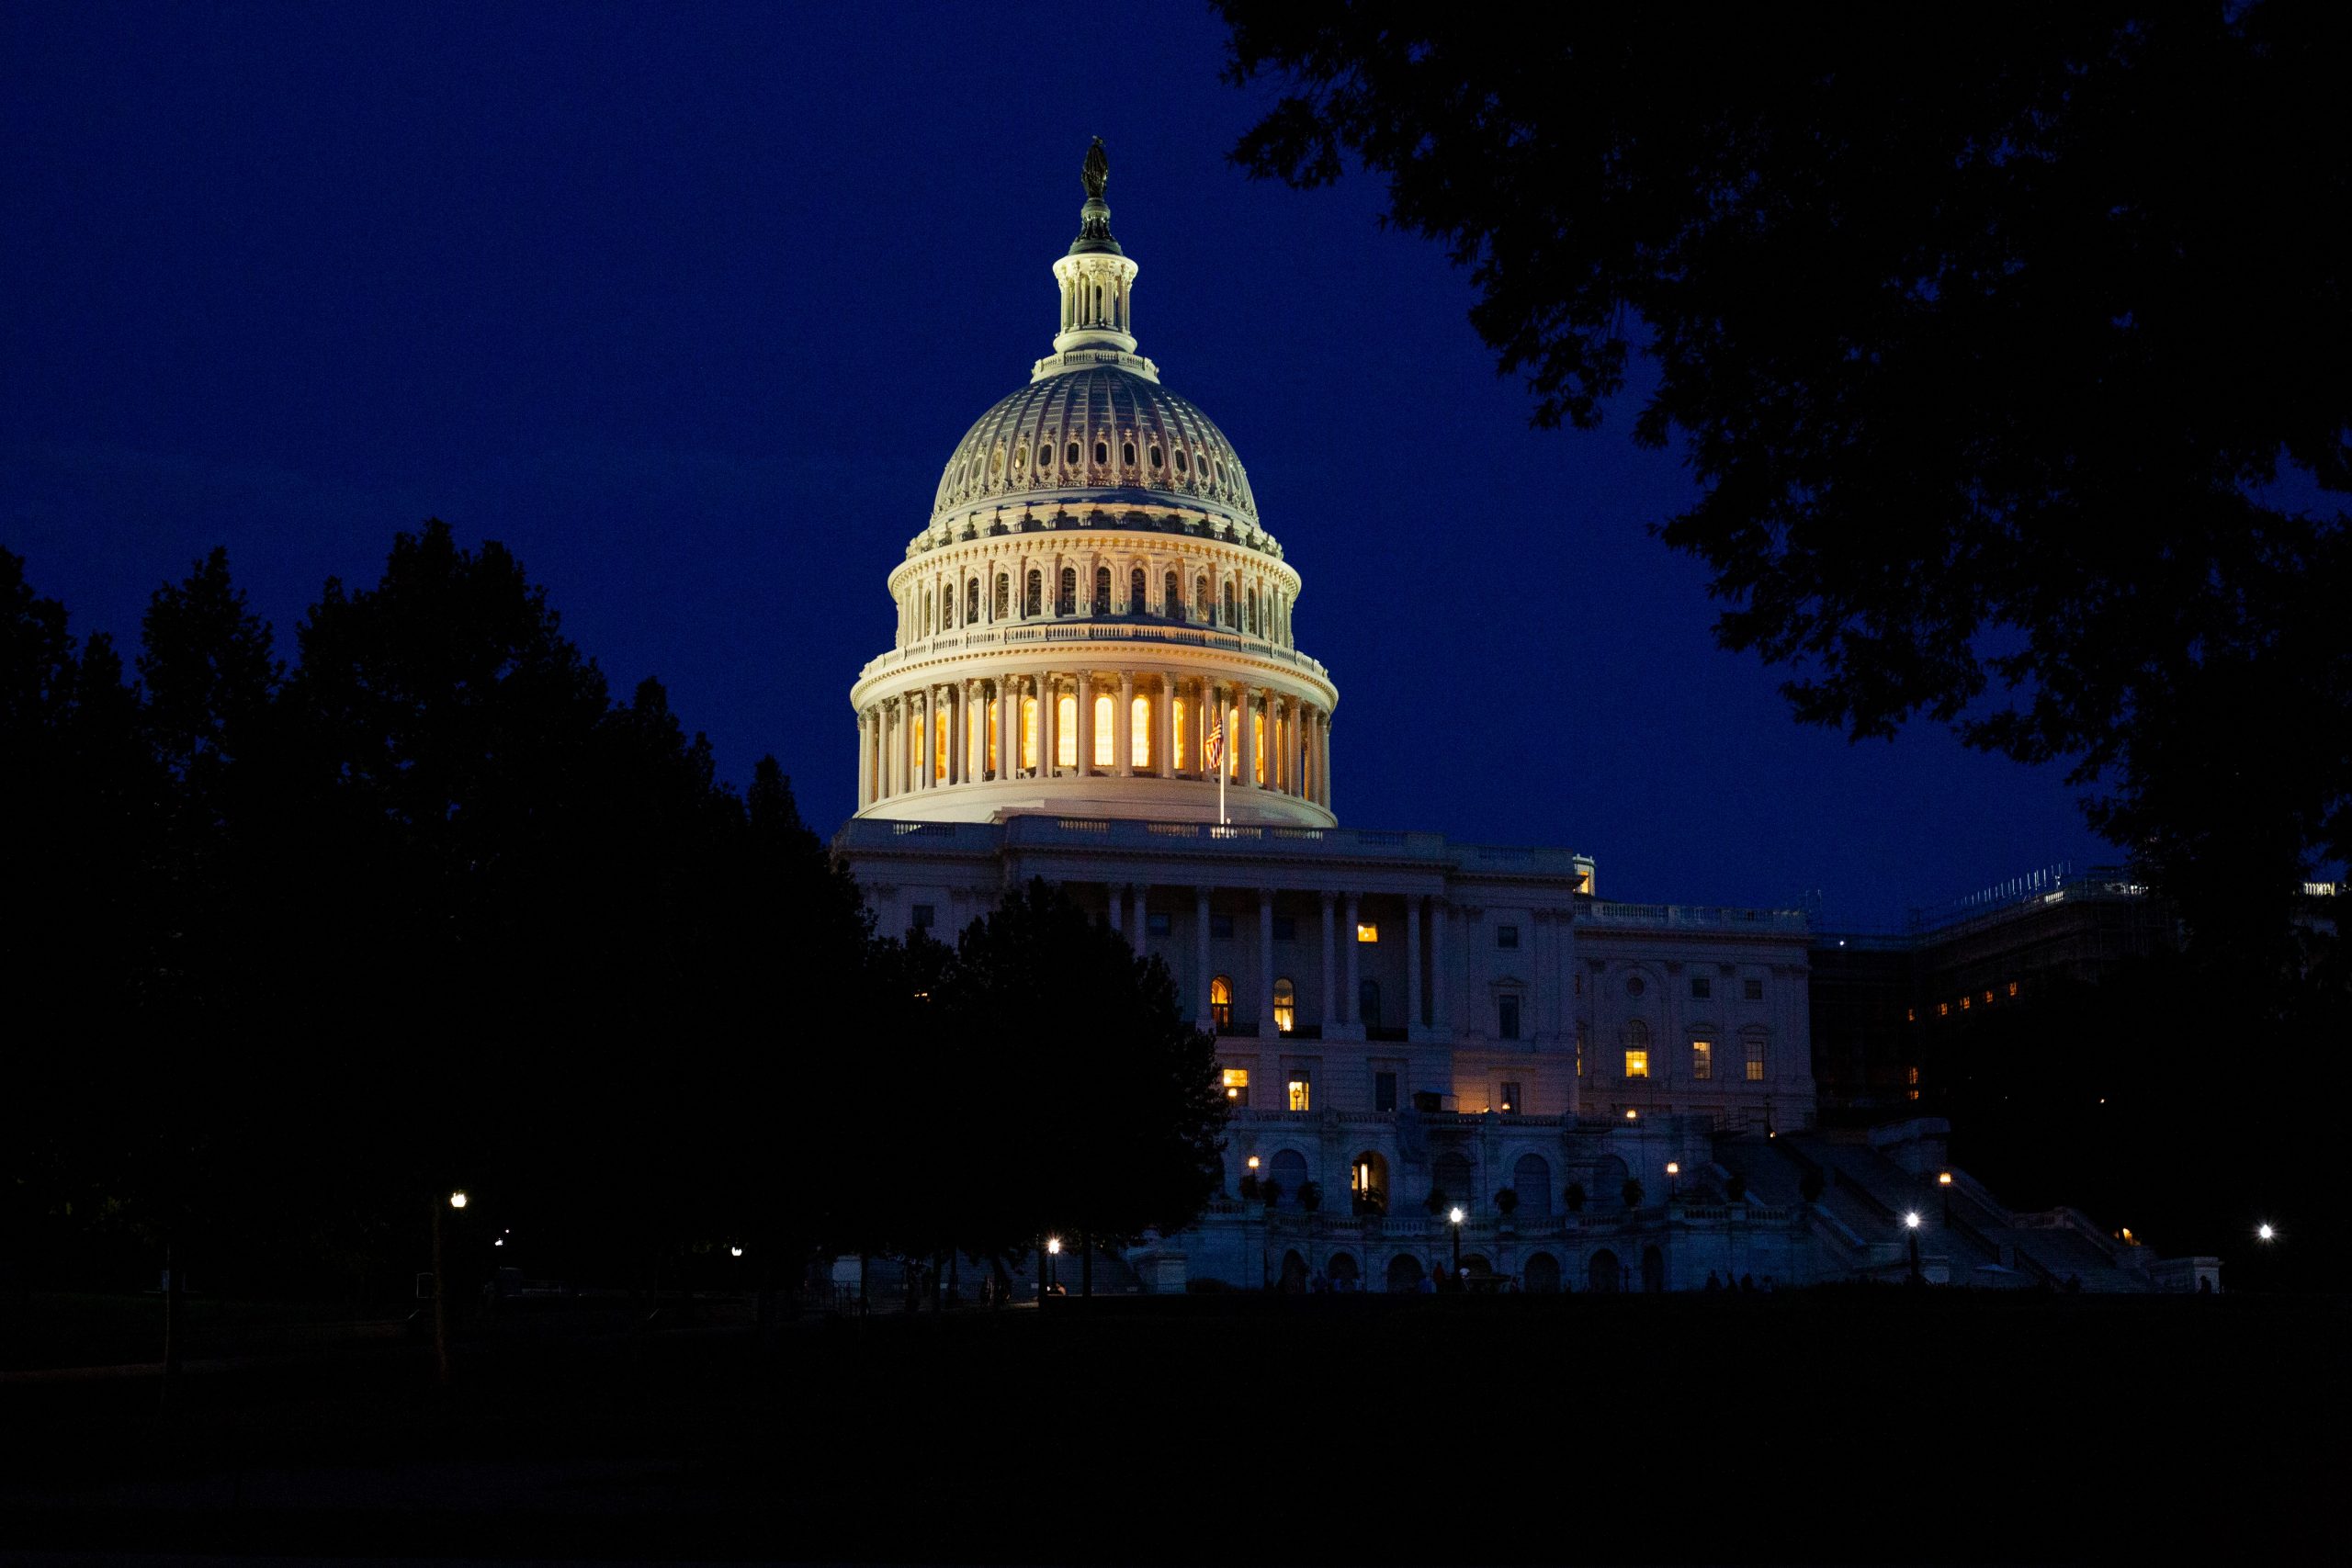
(734,1252)
(1911,1220)
(1633,1115)
(1054,1245)
(1254,1162)
(2264,1233)
(1673,1168)
(1454,1214)
(457,1199)
(1943,1178)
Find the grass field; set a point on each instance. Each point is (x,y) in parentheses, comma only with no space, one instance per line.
(1807,1426)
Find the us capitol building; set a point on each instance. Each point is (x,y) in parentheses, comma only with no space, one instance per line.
(1095,596)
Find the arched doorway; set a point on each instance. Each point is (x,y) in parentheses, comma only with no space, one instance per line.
(1653,1269)
(1403,1272)
(1542,1275)
(1531,1179)
(1368,1182)
(1604,1274)
(1293,1280)
(1289,1170)
(1342,1272)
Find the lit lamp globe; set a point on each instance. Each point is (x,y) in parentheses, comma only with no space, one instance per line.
(1911,1220)
(1054,1245)
(457,1199)
(1454,1214)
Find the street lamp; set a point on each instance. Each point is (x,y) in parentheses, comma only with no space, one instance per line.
(1053,1250)
(1943,1178)
(1911,1220)
(734,1252)
(1673,1174)
(1454,1214)
(2264,1233)
(457,1199)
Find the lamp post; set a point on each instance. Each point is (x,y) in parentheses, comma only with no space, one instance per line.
(441,1292)
(1454,1214)
(1053,1250)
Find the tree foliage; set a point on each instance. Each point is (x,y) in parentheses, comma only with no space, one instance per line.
(2008,348)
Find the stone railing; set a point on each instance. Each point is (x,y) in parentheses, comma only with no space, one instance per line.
(1042,631)
(1695,916)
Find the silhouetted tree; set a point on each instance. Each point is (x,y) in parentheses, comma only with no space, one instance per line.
(1986,335)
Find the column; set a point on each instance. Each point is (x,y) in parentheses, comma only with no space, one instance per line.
(1163,713)
(1008,727)
(1139,922)
(958,711)
(886,777)
(1323,755)
(1348,944)
(1437,964)
(918,742)
(1266,963)
(1114,898)
(1201,953)
(1085,722)
(1123,730)
(1413,964)
(1333,1012)
(865,758)
(1248,740)
(1048,719)
(1299,750)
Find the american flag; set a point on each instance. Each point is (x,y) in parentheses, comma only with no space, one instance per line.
(1217,743)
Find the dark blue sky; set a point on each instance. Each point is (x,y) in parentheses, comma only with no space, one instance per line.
(689,304)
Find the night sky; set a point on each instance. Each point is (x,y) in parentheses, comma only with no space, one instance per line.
(688,305)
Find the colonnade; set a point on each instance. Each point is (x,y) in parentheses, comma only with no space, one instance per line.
(981,729)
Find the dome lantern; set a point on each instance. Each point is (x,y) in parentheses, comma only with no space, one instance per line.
(1097,283)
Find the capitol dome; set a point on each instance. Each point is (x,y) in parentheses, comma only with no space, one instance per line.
(1094,622)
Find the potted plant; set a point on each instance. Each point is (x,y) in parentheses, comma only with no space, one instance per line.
(1576,1196)
(1310,1195)
(1631,1192)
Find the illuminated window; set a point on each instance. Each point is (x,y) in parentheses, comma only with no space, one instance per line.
(1066,732)
(1943,1009)
(996,742)
(1020,458)
(1286,1007)
(1140,732)
(1221,1004)
(1963,1004)
(1233,744)
(2013,987)
(1258,732)
(1702,1058)
(1182,715)
(939,744)
(1105,740)
(1753,989)
(1506,1017)
(1237,1085)
(1366,932)
(1506,936)
(1910,1075)
(1637,1064)
(1755,1043)
(1702,988)
(1910,1015)
(1299,1093)
(1584,1036)
(1988,998)
(1028,732)
(1510,1102)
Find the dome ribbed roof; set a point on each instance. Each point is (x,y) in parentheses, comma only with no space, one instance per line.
(1130,435)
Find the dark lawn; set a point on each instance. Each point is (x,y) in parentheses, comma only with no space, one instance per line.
(1801,1428)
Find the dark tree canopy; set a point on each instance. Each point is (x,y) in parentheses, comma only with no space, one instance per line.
(2009,346)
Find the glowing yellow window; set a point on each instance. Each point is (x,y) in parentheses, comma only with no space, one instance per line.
(1702,1058)
(1755,1061)
(1963,1004)
(976,738)
(1221,1003)
(1298,1095)
(1180,715)
(1028,732)
(1988,998)
(1237,1085)
(2013,987)
(1139,727)
(1257,736)
(1066,732)
(995,715)
(1285,1006)
(939,747)
(1104,740)
(1943,1009)
(1637,1064)
(1367,932)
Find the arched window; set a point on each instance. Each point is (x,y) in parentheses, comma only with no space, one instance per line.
(1451,1172)
(1032,595)
(996,463)
(1066,732)
(1250,612)
(1368,1182)
(1541,1275)
(1102,605)
(1531,1179)
(1201,598)
(971,600)
(1066,602)
(1368,1004)
(1171,604)
(1139,733)
(1289,1167)
(1105,752)
(1003,595)
(1044,453)
(1029,732)
(1637,1049)
(946,608)
(1156,457)
(1135,591)
(1102,453)
(1182,715)
(1221,1004)
(929,609)
(1230,618)
(1127,453)
(1020,458)
(1285,1006)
